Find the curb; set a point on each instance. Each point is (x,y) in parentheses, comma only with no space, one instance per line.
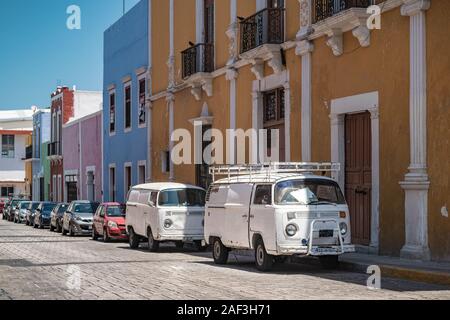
(411,274)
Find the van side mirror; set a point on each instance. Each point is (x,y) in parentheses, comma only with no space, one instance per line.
(151,204)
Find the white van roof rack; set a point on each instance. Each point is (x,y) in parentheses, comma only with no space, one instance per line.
(269,169)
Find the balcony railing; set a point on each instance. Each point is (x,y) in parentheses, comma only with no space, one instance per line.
(198,58)
(264,27)
(54,149)
(323,9)
(29,152)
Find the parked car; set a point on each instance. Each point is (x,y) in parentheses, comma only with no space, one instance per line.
(165,212)
(21,212)
(79,217)
(2,206)
(56,217)
(42,215)
(109,222)
(277,210)
(31,211)
(11,209)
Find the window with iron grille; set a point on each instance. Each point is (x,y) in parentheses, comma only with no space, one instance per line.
(273,106)
(142,113)
(128,107)
(8,146)
(112,112)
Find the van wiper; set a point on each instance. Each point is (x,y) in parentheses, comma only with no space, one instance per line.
(322,203)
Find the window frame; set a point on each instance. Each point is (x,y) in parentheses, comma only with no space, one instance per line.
(126,86)
(7,146)
(142,95)
(112,112)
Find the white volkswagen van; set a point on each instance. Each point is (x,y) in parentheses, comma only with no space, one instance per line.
(277,210)
(165,212)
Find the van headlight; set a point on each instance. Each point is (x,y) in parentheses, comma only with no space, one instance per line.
(168,223)
(291,230)
(344,228)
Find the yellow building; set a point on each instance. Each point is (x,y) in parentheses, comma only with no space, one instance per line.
(374,98)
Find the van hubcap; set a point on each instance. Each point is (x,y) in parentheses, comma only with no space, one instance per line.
(216,249)
(260,255)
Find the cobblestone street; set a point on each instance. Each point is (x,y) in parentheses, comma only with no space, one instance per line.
(37,264)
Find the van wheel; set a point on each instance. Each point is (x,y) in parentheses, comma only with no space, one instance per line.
(133,239)
(153,245)
(264,261)
(220,252)
(329,262)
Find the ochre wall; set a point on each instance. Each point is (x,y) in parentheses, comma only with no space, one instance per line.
(222,20)
(160,137)
(382,67)
(160,44)
(438,63)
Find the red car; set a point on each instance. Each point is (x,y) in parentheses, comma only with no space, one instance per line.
(2,206)
(109,222)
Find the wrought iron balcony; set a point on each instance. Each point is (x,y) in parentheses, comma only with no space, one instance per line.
(29,152)
(323,9)
(264,27)
(54,149)
(197,59)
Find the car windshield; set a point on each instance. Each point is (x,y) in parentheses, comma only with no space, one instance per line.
(48,207)
(62,208)
(24,205)
(85,208)
(14,203)
(308,192)
(182,198)
(34,206)
(116,211)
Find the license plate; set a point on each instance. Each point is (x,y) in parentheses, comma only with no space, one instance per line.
(318,250)
(326,233)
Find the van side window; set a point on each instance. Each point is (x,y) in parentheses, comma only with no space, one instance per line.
(154,198)
(263,195)
(144,197)
(133,196)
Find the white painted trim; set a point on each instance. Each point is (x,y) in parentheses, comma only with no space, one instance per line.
(90,169)
(71,172)
(127,165)
(265,84)
(142,163)
(357,104)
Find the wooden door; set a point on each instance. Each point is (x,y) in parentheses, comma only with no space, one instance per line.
(274,119)
(358,175)
(209,21)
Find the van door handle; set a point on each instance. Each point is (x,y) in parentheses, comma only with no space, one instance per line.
(245,216)
(132,205)
(252,216)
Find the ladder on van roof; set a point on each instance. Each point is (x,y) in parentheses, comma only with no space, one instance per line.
(273,168)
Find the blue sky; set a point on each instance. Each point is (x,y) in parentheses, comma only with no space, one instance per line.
(38,52)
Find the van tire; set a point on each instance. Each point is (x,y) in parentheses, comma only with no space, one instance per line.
(220,252)
(329,262)
(133,239)
(263,260)
(153,245)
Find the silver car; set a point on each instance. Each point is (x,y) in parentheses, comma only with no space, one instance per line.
(79,217)
(20,213)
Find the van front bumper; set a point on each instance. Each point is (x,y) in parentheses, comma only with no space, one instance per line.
(181,237)
(316,251)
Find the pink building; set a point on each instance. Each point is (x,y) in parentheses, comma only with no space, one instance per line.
(82,152)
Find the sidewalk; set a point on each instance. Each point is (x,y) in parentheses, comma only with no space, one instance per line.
(429,272)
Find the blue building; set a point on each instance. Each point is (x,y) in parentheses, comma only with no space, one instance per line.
(125,116)
(41,135)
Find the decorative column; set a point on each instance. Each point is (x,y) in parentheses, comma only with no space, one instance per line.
(416,183)
(257,123)
(170,99)
(231,75)
(304,49)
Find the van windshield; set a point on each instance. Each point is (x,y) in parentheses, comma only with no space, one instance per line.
(308,192)
(182,198)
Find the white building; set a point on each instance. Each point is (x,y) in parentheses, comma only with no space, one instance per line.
(16,127)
